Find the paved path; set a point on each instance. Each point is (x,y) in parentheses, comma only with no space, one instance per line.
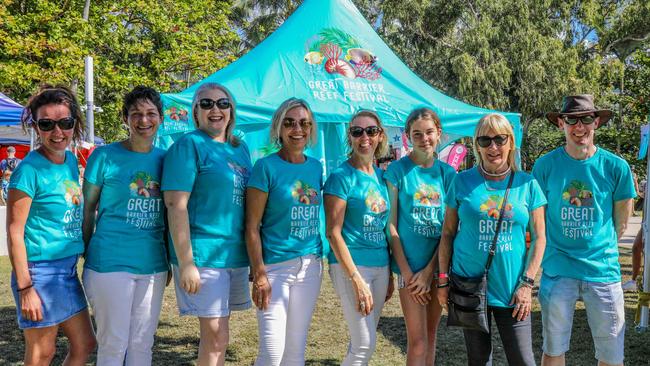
(633,227)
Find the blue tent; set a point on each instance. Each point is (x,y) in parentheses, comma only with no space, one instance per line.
(10,111)
(327,54)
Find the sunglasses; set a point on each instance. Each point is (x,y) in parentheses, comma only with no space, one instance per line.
(46,124)
(207,103)
(586,120)
(371,131)
(290,123)
(486,141)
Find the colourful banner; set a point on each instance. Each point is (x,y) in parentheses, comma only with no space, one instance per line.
(456,155)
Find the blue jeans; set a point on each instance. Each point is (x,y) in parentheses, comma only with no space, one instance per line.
(605,306)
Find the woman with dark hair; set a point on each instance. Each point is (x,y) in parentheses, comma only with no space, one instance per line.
(283,202)
(44,216)
(417,185)
(123,230)
(204,181)
(356,212)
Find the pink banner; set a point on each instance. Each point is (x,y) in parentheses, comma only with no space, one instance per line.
(456,155)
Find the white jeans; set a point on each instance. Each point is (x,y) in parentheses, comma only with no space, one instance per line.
(283,326)
(126,308)
(363,329)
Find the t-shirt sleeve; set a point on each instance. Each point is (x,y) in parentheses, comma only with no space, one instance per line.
(260,177)
(392,175)
(336,185)
(94,172)
(625,184)
(451,200)
(448,175)
(24,179)
(180,167)
(539,174)
(536,198)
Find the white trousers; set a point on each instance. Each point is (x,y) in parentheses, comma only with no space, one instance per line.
(283,326)
(363,329)
(126,308)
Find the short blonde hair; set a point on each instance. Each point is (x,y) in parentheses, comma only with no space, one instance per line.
(233,140)
(495,123)
(281,113)
(382,148)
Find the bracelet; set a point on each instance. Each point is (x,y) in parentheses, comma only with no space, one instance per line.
(441,285)
(528,280)
(523,283)
(25,288)
(443,275)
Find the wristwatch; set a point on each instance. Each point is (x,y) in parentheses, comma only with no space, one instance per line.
(527,280)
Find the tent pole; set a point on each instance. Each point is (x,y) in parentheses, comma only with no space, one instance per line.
(31,138)
(643,323)
(90,103)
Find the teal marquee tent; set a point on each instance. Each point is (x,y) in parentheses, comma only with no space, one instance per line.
(327,54)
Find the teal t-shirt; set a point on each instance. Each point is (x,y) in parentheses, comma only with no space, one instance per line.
(291,222)
(421,210)
(216,175)
(366,214)
(53,226)
(130,224)
(581,240)
(478,203)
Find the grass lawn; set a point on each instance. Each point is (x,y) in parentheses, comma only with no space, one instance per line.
(177,338)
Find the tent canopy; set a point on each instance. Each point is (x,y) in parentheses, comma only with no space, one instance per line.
(327,54)
(10,111)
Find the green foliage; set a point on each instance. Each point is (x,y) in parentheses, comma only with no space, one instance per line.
(166,45)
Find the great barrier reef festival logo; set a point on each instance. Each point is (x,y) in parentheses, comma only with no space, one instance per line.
(340,53)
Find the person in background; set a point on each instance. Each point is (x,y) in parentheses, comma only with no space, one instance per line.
(11,161)
(123,230)
(283,203)
(356,212)
(6,176)
(417,186)
(590,195)
(205,175)
(474,205)
(44,215)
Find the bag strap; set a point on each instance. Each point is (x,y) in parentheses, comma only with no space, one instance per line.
(493,246)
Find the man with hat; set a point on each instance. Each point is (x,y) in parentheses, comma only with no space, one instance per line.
(589,192)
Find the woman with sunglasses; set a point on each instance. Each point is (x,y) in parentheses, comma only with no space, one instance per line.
(123,229)
(474,204)
(44,215)
(356,212)
(417,185)
(205,174)
(283,202)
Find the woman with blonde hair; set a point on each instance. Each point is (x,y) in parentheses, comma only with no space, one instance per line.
(417,185)
(356,212)
(475,203)
(205,175)
(283,202)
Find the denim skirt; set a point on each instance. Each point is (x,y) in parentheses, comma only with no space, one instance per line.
(59,288)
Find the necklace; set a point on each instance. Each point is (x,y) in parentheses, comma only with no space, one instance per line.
(495,175)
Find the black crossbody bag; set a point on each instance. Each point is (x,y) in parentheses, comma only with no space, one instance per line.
(467,301)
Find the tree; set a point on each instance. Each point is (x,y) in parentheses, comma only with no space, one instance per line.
(166,44)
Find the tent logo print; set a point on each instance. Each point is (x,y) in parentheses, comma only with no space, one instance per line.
(340,53)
